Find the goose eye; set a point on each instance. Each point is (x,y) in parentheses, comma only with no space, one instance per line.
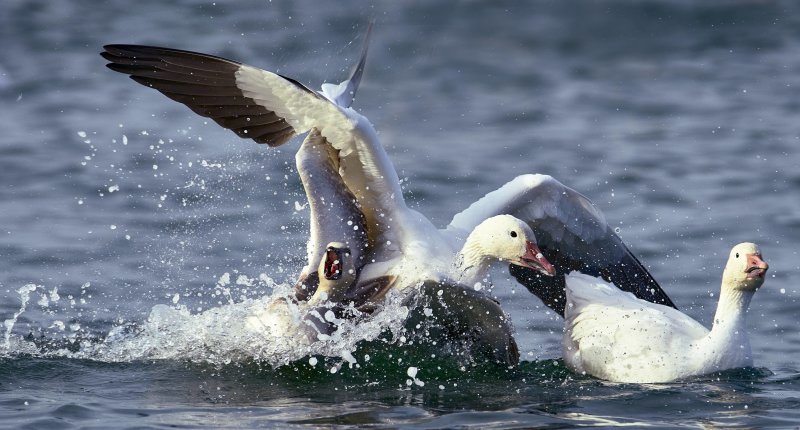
(513,233)
(737,255)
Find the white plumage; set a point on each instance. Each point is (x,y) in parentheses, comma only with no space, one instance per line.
(612,335)
(403,244)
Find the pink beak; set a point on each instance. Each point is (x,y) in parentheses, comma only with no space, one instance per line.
(756,267)
(534,259)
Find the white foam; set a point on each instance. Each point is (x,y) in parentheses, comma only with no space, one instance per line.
(235,332)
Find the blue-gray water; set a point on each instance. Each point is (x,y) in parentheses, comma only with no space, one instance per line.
(679,119)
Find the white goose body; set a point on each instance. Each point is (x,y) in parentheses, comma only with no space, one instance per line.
(612,335)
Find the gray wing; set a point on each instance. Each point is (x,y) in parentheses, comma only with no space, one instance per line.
(572,234)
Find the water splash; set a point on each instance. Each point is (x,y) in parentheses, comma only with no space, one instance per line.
(235,332)
(24,294)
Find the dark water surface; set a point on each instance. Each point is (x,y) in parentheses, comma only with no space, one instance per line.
(679,119)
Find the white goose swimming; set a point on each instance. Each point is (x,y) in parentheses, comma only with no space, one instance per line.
(405,248)
(612,335)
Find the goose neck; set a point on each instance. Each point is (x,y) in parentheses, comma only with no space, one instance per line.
(727,345)
(730,317)
(472,263)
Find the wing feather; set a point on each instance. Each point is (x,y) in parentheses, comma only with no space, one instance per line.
(270,108)
(207,85)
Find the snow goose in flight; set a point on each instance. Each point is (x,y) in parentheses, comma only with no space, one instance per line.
(612,335)
(403,244)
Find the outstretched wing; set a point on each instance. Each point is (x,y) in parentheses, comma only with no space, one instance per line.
(211,87)
(253,103)
(572,234)
(271,109)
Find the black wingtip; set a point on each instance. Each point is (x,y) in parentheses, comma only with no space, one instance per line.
(117,68)
(118,49)
(549,289)
(157,53)
(206,84)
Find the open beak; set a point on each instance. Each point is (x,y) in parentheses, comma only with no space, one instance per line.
(333,264)
(534,259)
(756,267)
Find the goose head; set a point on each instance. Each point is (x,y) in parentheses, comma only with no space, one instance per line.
(506,238)
(336,272)
(745,269)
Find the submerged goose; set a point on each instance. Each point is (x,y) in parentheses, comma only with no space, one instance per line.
(462,322)
(337,274)
(612,335)
(530,222)
(338,270)
(310,319)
